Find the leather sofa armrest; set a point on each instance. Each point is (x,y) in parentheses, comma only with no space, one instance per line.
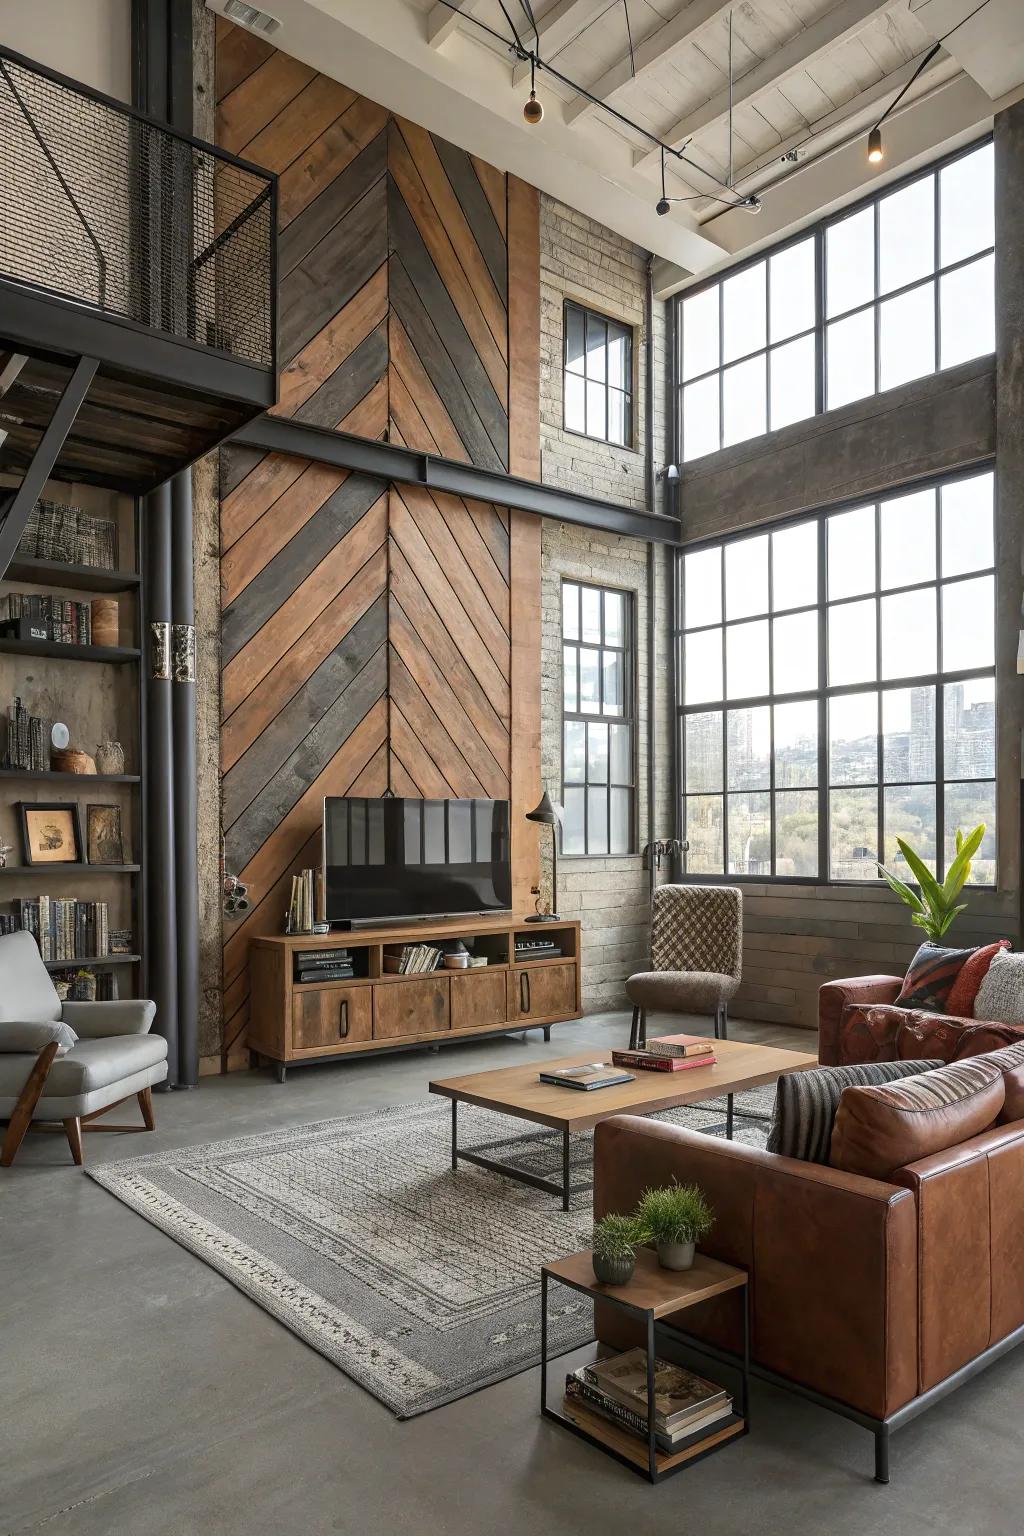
(833,997)
(970,1246)
(29,1037)
(96,1021)
(832,1257)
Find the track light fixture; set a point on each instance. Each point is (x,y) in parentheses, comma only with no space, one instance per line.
(662,205)
(534,109)
(876,154)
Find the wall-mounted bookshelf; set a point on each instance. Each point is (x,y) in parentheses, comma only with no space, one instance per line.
(100,698)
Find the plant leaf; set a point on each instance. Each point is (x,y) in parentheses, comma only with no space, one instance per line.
(930,888)
(960,868)
(903,891)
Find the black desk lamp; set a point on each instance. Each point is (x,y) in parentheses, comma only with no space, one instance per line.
(549,814)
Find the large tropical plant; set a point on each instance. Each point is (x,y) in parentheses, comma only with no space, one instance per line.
(934,906)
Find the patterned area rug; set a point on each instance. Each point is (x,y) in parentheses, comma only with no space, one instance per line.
(420,1284)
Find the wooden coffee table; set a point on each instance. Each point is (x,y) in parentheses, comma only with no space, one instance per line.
(516,1091)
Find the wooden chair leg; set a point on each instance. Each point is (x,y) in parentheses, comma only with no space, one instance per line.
(642,1036)
(145,1098)
(73,1131)
(27,1101)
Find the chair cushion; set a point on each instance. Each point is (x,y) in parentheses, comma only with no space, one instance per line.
(964,991)
(19,1035)
(99,1063)
(878,1130)
(681,991)
(806,1104)
(1001,995)
(930,977)
(26,991)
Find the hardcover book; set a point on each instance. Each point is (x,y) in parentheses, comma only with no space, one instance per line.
(680,1396)
(596,1074)
(680,1045)
(646,1061)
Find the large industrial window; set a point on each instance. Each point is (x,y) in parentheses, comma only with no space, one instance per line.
(598,376)
(598,757)
(838,689)
(895,288)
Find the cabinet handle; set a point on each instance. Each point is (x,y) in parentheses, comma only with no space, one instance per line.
(524,991)
(343,1019)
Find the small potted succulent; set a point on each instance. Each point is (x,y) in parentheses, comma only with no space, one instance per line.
(616,1239)
(675,1218)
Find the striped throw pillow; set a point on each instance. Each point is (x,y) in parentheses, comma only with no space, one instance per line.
(930,978)
(806,1104)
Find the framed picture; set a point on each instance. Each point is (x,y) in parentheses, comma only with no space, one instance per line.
(51,834)
(103,838)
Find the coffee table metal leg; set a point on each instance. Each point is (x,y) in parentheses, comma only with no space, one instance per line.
(728,1117)
(455,1135)
(543,1339)
(565,1169)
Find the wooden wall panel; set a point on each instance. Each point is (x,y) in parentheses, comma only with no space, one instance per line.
(369,631)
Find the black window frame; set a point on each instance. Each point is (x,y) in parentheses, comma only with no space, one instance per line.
(627,718)
(589,315)
(818,233)
(938,679)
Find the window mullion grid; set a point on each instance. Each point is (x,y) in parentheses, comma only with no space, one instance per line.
(936,215)
(721,376)
(824,805)
(725,731)
(878,304)
(771,704)
(940,699)
(879,744)
(819,322)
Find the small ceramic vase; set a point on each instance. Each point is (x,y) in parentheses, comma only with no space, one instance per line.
(110,757)
(615,1271)
(676,1255)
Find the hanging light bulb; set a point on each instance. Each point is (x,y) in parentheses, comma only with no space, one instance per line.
(534,109)
(662,205)
(876,153)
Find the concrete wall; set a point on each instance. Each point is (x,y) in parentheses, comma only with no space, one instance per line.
(90,40)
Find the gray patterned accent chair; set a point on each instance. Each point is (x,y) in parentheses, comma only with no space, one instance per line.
(696,956)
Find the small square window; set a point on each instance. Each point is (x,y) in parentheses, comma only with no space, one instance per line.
(597,376)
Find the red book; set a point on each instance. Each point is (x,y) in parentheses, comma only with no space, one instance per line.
(645,1062)
(680,1045)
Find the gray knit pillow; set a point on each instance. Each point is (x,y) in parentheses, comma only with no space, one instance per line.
(1000,998)
(806,1104)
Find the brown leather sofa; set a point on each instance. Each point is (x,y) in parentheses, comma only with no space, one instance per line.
(872,1298)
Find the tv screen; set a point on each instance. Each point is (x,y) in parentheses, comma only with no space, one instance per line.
(397,858)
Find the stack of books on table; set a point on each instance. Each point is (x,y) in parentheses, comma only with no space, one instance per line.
(595,1074)
(669,1053)
(323,965)
(411,959)
(687,1407)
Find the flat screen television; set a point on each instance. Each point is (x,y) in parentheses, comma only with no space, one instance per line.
(391,859)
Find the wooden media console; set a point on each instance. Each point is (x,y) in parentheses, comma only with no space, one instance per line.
(294,1022)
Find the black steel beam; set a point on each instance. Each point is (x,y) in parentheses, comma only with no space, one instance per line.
(44,458)
(388,461)
(41,322)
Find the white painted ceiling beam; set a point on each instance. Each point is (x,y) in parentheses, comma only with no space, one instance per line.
(833,29)
(442,21)
(557,28)
(656,49)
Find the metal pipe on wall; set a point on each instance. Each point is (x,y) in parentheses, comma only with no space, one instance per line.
(652,572)
(161,902)
(183,725)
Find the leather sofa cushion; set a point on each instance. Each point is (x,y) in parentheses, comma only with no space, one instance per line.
(979,1039)
(880,1129)
(868,1031)
(930,977)
(924,1035)
(90,1065)
(964,990)
(1010,1061)
(806,1104)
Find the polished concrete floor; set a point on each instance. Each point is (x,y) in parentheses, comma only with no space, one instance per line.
(141,1395)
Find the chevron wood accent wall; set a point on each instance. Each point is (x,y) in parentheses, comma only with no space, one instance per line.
(369,629)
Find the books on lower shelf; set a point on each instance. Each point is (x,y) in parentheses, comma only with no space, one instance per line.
(595,1074)
(64,928)
(411,959)
(66,622)
(647,1061)
(312,965)
(578,1390)
(684,1403)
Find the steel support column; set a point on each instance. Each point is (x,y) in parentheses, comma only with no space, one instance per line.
(161,874)
(184,775)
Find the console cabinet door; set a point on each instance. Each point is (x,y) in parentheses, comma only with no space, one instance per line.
(539,992)
(410,1008)
(478,999)
(329,1017)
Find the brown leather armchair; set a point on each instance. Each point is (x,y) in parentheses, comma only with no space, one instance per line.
(833,998)
(873,1299)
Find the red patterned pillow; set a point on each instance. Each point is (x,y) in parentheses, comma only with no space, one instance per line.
(930,978)
(964,990)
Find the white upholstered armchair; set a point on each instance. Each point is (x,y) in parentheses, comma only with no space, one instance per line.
(696,956)
(68,1063)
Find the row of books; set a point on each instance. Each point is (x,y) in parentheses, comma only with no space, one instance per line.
(66,622)
(304,902)
(668,1053)
(26,740)
(56,530)
(324,964)
(64,928)
(686,1406)
(86,986)
(411,959)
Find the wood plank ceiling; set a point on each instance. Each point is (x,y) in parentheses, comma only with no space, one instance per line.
(367,628)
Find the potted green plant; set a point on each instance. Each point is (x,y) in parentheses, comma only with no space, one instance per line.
(616,1239)
(675,1218)
(933,906)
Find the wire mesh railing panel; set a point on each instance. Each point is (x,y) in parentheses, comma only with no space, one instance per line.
(105,208)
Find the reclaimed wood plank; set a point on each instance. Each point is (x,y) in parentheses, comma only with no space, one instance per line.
(328,157)
(254,551)
(251,105)
(476,207)
(350,382)
(295,127)
(434,737)
(332,205)
(333,273)
(405,362)
(329,349)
